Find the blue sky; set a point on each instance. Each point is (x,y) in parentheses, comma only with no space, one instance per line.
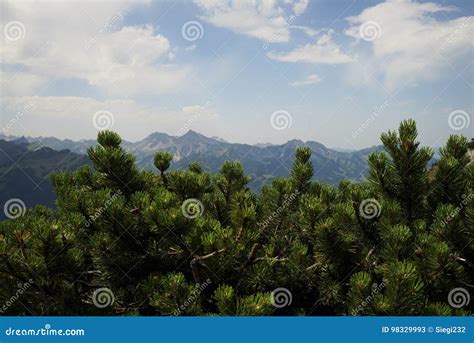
(337,72)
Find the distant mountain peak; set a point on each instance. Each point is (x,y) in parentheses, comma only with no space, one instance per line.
(21,140)
(157,135)
(192,133)
(294,142)
(194,137)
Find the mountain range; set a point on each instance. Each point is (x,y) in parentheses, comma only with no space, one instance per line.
(27,162)
(261,161)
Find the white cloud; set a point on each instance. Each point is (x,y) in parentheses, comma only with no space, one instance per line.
(72,117)
(300,6)
(307,30)
(412,44)
(324,51)
(265,20)
(309,80)
(20,82)
(86,41)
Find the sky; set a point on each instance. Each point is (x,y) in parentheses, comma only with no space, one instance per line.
(338,72)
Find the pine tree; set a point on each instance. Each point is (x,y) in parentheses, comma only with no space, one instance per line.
(184,242)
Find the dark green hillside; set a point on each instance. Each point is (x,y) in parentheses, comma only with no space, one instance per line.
(25,174)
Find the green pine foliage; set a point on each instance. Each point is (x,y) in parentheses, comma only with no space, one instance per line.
(190,243)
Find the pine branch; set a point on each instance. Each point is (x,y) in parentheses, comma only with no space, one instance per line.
(198,261)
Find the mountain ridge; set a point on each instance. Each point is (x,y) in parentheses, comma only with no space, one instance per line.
(24,173)
(50,140)
(262,162)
